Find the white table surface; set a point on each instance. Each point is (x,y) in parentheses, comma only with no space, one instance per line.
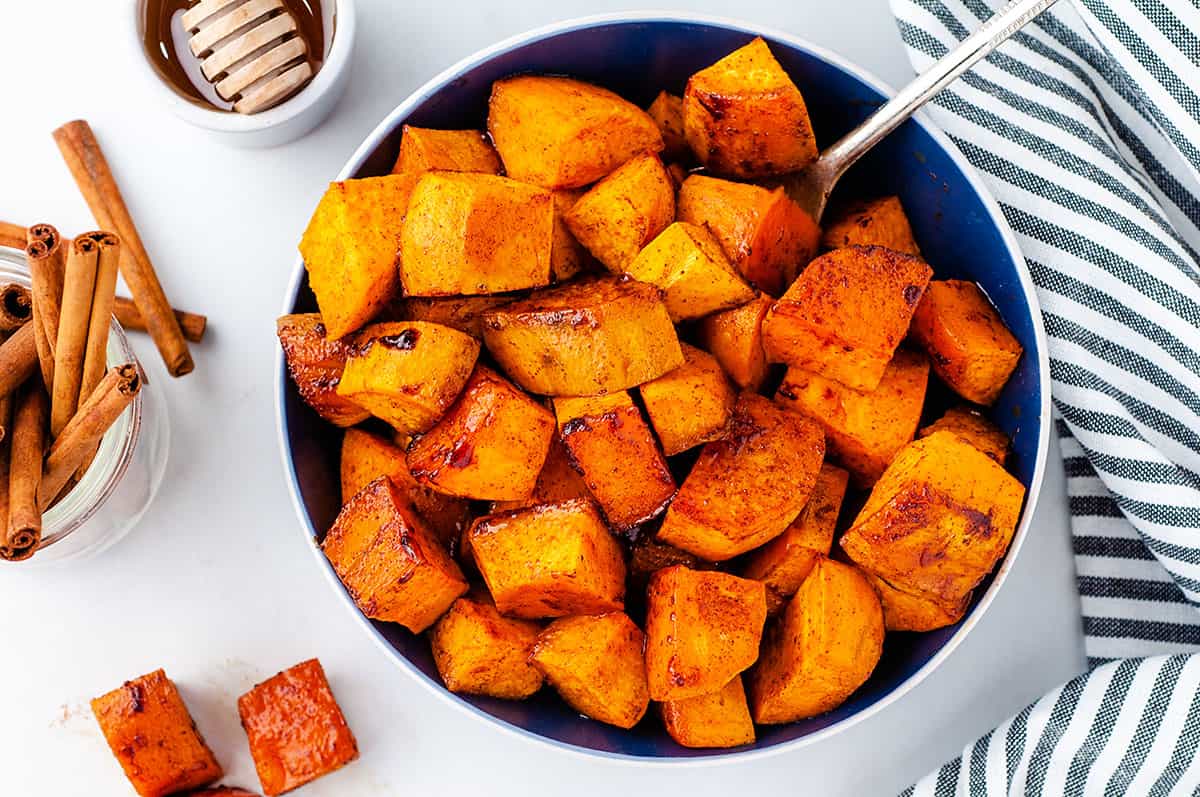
(217,585)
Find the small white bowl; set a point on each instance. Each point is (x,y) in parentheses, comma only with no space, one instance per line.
(285,122)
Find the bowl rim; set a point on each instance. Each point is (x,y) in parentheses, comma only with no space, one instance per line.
(446,76)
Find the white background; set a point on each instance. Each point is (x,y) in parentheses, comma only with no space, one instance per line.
(217,584)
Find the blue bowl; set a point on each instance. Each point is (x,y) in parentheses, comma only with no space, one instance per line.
(960,229)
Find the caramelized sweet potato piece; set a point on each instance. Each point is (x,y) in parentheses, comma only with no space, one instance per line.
(872,222)
(480,652)
(667,113)
(691,404)
(558,481)
(315,363)
(734,337)
(426,150)
(568,257)
(906,611)
(719,719)
(624,212)
(971,425)
(464,313)
(689,265)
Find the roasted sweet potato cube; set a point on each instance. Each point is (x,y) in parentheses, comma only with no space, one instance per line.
(667,113)
(845,315)
(690,405)
(864,429)
(350,247)
(971,348)
(149,730)
(766,236)
(478,651)
(568,257)
(905,611)
(389,561)
(719,719)
(596,665)
(558,481)
(295,728)
(584,338)
(491,444)
(426,150)
(702,629)
(315,363)
(937,521)
(734,337)
(550,560)
(562,133)
(475,233)
(624,212)
(688,263)
(971,425)
(871,222)
(743,116)
(464,313)
(408,372)
(821,650)
(746,488)
(784,562)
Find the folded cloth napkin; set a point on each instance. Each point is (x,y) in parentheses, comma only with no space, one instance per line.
(1086,128)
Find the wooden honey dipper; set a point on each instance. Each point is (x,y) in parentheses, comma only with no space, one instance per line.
(252,51)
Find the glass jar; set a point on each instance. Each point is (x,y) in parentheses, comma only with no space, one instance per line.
(115,491)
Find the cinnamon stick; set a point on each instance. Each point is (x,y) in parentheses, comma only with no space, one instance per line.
(45,255)
(16,306)
(22,534)
(79,283)
(12,235)
(18,359)
(6,420)
(95,359)
(192,324)
(90,169)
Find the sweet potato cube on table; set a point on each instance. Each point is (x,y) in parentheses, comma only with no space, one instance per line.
(478,651)
(464,313)
(475,234)
(766,236)
(734,337)
(611,446)
(688,263)
(596,665)
(971,425)
(937,521)
(295,728)
(863,429)
(871,222)
(702,629)
(822,649)
(315,363)
(426,150)
(390,562)
(667,113)
(407,373)
(845,315)
(746,488)
(568,257)
(971,348)
(743,116)
(718,719)
(584,338)
(491,443)
(349,249)
(550,560)
(690,405)
(562,133)
(149,730)
(624,212)
(784,562)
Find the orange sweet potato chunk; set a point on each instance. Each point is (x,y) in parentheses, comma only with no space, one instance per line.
(871,222)
(558,481)
(971,425)
(480,652)
(734,337)
(908,611)
(464,313)
(426,150)
(315,363)
(687,262)
(719,719)
(624,212)
(568,257)
(691,404)
(667,113)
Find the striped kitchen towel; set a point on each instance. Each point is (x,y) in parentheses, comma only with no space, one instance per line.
(1086,127)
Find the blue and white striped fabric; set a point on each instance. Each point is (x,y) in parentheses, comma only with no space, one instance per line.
(1086,127)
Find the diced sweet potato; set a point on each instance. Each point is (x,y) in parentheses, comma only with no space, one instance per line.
(475,233)
(480,652)
(745,489)
(350,246)
(389,561)
(937,521)
(767,237)
(845,315)
(611,446)
(550,560)
(863,429)
(971,348)
(426,150)
(149,730)
(734,337)
(491,443)
(464,313)
(584,338)
(688,263)
(624,212)
(408,372)
(315,363)
(562,133)
(667,113)
(824,647)
(702,629)
(743,116)
(971,425)
(691,404)
(784,562)
(558,481)
(872,222)
(568,257)
(596,665)
(295,728)
(904,611)
(719,719)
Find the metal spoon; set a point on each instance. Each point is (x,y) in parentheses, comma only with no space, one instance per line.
(810,188)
